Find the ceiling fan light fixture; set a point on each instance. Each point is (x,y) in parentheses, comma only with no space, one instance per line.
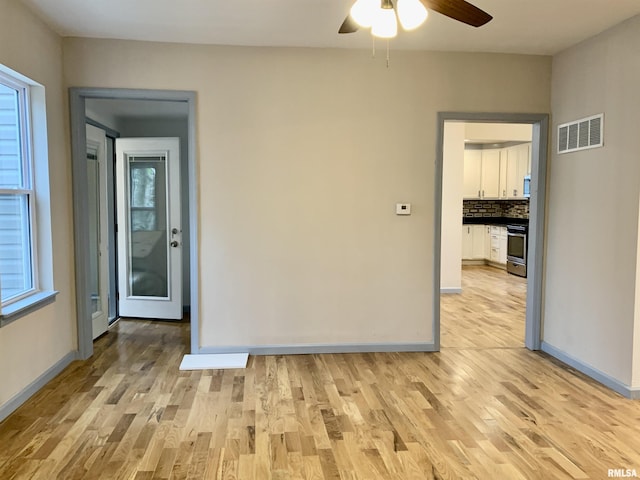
(385,23)
(364,11)
(411,13)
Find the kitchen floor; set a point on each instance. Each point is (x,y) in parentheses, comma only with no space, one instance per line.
(489,313)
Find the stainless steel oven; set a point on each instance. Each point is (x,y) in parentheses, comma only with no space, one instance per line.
(517,249)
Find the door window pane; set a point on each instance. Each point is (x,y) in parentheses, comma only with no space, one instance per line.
(93,194)
(143,198)
(148,235)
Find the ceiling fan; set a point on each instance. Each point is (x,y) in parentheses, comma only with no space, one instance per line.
(411,14)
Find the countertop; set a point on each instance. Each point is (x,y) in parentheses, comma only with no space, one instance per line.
(497,221)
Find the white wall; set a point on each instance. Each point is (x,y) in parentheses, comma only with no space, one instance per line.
(592,235)
(499,132)
(32,344)
(452,176)
(302,156)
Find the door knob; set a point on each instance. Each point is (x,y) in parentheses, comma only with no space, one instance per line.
(174,243)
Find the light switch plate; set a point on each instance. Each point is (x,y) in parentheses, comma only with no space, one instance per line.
(403,209)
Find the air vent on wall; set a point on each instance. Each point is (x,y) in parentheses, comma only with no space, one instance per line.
(581,134)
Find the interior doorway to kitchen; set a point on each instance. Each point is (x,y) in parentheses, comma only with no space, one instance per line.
(484,185)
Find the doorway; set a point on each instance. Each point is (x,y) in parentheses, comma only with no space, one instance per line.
(539,125)
(485,166)
(147,112)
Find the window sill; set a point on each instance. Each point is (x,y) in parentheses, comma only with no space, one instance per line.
(27,305)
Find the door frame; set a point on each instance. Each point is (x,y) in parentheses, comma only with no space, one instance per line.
(77,98)
(103,228)
(535,264)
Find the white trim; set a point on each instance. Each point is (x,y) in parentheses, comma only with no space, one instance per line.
(24,87)
(447,291)
(302,348)
(25,305)
(594,373)
(21,397)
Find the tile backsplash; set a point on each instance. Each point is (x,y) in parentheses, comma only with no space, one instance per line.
(496,208)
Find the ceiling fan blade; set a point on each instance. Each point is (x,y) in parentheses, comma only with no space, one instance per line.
(348,26)
(459,10)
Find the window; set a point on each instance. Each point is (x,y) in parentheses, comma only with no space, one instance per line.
(20,285)
(16,192)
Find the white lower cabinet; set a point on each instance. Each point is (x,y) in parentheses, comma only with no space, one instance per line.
(473,242)
(484,242)
(487,241)
(503,245)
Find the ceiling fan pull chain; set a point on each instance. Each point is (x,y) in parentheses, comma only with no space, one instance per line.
(387,53)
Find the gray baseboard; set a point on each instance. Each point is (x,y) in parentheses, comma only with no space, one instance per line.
(448,291)
(597,375)
(301,349)
(18,399)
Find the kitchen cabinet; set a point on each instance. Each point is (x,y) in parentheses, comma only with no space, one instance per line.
(494,254)
(503,246)
(473,242)
(518,161)
(471,176)
(496,173)
(490,177)
(487,243)
(498,240)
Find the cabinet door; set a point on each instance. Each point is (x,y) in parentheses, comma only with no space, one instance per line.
(495,245)
(490,174)
(511,157)
(504,192)
(487,242)
(503,247)
(472,171)
(467,242)
(477,242)
(517,168)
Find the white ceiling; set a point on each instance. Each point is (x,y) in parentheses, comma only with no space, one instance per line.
(519,26)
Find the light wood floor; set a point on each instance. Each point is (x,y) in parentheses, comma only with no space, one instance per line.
(489,313)
(487,413)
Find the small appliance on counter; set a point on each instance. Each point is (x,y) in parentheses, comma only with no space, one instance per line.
(526,186)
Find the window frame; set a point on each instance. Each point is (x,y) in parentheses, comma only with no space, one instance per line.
(27,183)
(32,129)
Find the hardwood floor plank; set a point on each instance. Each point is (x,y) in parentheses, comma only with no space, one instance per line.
(483,408)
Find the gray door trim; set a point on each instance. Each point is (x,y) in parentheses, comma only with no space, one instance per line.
(77,97)
(535,267)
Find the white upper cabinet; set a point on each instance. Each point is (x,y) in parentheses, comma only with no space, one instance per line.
(490,174)
(517,160)
(496,173)
(472,172)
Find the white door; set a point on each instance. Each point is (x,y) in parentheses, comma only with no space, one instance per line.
(149,227)
(98,230)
